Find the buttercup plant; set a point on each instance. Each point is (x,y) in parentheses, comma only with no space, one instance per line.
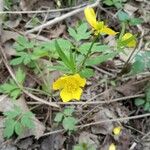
(79,60)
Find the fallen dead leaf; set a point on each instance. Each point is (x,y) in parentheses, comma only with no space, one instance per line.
(90,139)
(130,9)
(8,35)
(27,4)
(1,130)
(7,40)
(7,104)
(53,142)
(110,40)
(13,21)
(103,128)
(59,30)
(132,87)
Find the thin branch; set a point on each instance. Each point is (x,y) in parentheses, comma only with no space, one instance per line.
(114,120)
(102,121)
(94,102)
(62,17)
(43,11)
(1,9)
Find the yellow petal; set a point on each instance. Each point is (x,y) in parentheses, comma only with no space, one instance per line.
(117,130)
(132,43)
(90,16)
(59,83)
(80,81)
(65,95)
(112,147)
(77,94)
(108,31)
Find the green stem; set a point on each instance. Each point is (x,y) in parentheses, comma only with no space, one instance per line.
(88,53)
(123,25)
(38,68)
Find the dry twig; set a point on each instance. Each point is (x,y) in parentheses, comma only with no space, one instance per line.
(62,17)
(102,121)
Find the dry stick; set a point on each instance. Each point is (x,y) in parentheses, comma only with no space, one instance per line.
(25,91)
(62,17)
(1,9)
(112,120)
(42,11)
(102,121)
(103,71)
(94,102)
(135,143)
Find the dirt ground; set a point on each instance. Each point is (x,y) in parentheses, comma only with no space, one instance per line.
(108,100)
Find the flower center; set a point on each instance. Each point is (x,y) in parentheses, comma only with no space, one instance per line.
(71,85)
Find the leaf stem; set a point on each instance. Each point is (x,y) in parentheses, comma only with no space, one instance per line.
(88,53)
(123,25)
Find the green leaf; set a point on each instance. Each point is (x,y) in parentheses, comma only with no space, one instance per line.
(78,147)
(16,61)
(27,121)
(21,40)
(15,93)
(7,88)
(20,76)
(146,106)
(123,16)
(22,57)
(68,111)
(137,67)
(9,128)
(83,49)
(139,102)
(118,4)
(59,117)
(27,59)
(148,94)
(38,53)
(100,59)
(69,123)
(59,68)
(141,62)
(13,113)
(18,128)
(63,56)
(87,73)
(135,21)
(108,2)
(80,33)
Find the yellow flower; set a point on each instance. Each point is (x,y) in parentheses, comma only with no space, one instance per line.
(117,130)
(131,43)
(112,147)
(70,87)
(98,27)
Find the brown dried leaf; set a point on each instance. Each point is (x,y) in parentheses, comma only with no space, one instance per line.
(1,130)
(8,35)
(130,9)
(27,4)
(59,30)
(55,141)
(103,128)
(132,87)
(90,139)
